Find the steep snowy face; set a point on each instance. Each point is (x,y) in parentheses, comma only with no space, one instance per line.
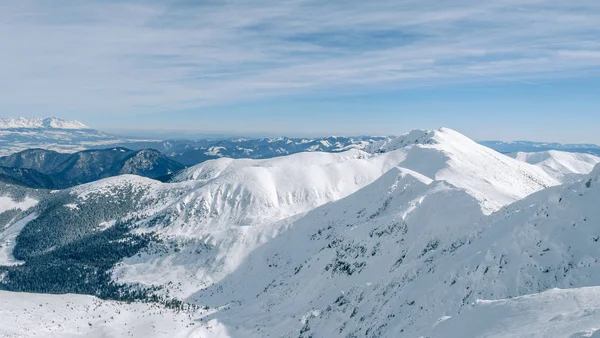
(416,255)
(35,123)
(492,178)
(563,166)
(374,240)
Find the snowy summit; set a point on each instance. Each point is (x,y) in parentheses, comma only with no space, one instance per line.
(39,123)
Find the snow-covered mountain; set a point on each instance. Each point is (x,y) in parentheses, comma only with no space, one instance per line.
(561,165)
(39,123)
(415,255)
(444,154)
(216,213)
(387,242)
(52,133)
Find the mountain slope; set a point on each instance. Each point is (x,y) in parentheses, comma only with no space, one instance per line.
(90,165)
(16,203)
(35,315)
(400,267)
(563,166)
(27,178)
(191,233)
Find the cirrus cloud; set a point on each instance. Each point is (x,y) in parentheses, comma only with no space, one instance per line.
(131,56)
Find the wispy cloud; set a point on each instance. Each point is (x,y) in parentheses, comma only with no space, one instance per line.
(133,55)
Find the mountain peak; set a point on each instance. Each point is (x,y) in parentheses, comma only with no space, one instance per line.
(39,123)
(421,137)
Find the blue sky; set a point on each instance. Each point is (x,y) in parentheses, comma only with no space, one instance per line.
(498,69)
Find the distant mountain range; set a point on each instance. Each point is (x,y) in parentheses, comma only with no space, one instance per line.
(40,168)
(529,146)
(194,152)
(39,123)
(52,133)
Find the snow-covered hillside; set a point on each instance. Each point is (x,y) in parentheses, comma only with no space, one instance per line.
(69,316)
(233,206)
(563,166)
(15,204)
(416,254)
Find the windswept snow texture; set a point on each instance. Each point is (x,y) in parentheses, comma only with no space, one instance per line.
(571,313)
(70,316)
(563,166)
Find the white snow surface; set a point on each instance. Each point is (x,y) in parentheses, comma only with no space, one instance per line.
(572,313)
(49,122)
(11,230)
(70,316)
(563,166)
(8,240)
(8,203)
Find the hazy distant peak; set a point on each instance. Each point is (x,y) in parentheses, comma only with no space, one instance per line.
(44,123)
